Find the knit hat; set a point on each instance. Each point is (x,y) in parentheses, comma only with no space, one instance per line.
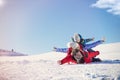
(80,36)
(77,37)
(74,45)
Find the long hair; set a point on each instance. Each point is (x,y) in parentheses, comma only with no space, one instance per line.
(78,58)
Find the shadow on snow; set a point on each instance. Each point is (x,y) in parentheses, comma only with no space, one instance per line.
(108,62)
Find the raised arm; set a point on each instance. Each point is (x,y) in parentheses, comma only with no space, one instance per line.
(88,40)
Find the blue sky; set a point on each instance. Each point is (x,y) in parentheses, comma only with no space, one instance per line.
(34,27)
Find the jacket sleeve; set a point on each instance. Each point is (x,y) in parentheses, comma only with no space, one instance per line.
(94,44)
(68,58)
(61,50)
(69,51)
(88,40)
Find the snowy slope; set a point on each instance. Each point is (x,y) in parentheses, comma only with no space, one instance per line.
(45,67)
(109,51)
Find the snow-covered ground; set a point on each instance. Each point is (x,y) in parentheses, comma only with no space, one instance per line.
(44,66)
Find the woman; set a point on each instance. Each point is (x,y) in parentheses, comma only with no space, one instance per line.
(77,55)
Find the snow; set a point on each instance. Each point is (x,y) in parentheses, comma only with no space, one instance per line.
(44,66)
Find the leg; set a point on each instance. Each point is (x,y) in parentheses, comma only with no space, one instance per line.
(93,54)
(96,60)
(90,50)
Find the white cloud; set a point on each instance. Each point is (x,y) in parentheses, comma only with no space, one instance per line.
(112,6)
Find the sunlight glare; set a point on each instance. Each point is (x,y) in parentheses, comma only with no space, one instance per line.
(1,2)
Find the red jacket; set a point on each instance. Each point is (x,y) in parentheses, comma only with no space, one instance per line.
(88,59)
(87,56)
(68,58)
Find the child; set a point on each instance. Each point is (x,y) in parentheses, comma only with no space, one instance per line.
(78,38)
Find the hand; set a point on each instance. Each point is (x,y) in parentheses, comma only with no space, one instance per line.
(93,39)
(59,62)
(103,39)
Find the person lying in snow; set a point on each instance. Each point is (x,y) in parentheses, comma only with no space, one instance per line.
(78,38)
(77,55)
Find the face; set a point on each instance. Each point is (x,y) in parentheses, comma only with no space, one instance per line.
(78,55)
(78,41)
